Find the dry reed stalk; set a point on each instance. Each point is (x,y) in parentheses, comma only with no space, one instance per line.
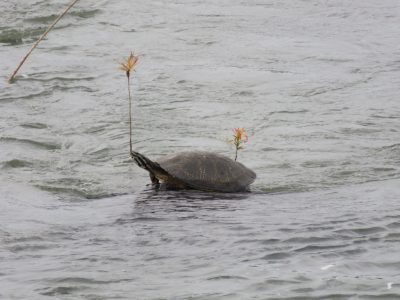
(128,66)
(12,77)
(130,116)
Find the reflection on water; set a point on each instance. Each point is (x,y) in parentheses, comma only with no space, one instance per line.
(314,83)
(154,200)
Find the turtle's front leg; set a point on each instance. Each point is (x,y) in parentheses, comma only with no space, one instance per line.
(154,179)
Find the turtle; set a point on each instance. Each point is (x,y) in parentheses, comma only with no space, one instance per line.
(199,170)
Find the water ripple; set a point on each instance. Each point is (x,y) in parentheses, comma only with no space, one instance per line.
(37,144)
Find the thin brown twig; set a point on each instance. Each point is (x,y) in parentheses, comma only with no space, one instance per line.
(12,77)
(130,115)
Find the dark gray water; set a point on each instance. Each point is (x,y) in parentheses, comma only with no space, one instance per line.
(315,83)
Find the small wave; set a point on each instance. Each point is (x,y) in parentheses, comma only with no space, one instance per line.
(350,252)
(86,14)
(100,152)
(381,296)
(75,189)
(16,163)
(313,248)
(56,78)
(356,131)
(317,164)
(47,19)
(62,189)
(383,169)
(34,125)
(156,258)
(386,116)
(84,280)
(368,230)
(306,240)
(277,256)
(61,290)
(243,93)
(11,37)
(270,241)
(27,96)
(283,189)
(328,296)
(394,225)
(257,241)
(30,247)
(23,239)
(42,19)
(121,221)
(393,146)
(273,283)
(37,144)
(301,111)
(269,149)
(227,277)
(14,37)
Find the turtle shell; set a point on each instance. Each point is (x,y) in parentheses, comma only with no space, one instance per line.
(208,171)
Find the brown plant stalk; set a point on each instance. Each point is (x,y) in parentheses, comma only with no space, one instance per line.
(128,66)
(12,77)
(130,115)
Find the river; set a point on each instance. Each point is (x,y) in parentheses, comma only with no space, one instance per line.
(316,85)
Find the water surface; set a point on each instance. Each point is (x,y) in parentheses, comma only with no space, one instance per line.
(315,83)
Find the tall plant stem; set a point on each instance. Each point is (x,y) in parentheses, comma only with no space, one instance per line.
(130,115)
(12,77)
(236,153)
